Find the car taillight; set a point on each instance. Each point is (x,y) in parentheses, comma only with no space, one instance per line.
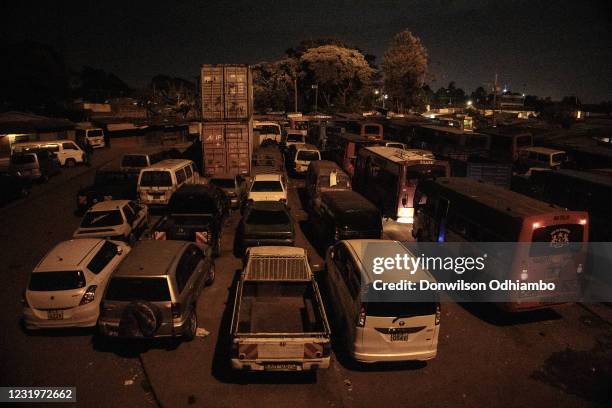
(176,310)
(201,237)
(438,313)
(362,317)
(89,295)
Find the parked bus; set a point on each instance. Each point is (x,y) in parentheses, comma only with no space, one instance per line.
(344,148)
(449,142)
(506,142)
(463,210)
(368,130)
(388,177)
(576,190)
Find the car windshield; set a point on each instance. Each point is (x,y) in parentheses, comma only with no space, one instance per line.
(130,289)
(295,138)
(101,219)
(192,204)
(95,133)
(267,187)
(261,217)
(267,129)
(60,280)
(308,155)
(23,159)
(223,182)
(156,179)
(361,220)
(134,160)
(558,157)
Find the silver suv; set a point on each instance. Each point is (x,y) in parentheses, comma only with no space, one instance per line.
(154,292)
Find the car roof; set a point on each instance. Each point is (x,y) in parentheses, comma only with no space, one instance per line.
(167,164)
(342,201)
(108,205)
(151,258)
(69,255)
(307,146)
(358,248)
(268,205)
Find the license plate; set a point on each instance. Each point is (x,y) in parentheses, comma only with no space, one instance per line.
(399,336)
(55,314)
(281,367)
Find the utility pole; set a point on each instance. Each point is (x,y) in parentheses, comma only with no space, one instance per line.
(494,99)
(295,93)
(316,88)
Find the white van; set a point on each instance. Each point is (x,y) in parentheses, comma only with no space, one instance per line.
(304,154)
(157,183)
(541,157)
(92,136)
(68,152)
(267,131)
(377,331)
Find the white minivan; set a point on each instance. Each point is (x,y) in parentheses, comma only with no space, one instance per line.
(92,136)
(302,156)
(382,330)
(158,182)
(68,152)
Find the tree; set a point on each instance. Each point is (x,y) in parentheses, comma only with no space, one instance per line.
(479,96)
(341,73)
(97,85)
(273,84)
(404,67)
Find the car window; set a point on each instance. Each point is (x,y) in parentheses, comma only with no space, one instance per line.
(56,280)
(129,289)
(129,214)
(186,266)
(180,176)
(266,186)
(156,179)
(103,257)
(101,219)
(69,146)
(188,171)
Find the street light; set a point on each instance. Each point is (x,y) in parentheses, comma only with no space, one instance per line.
(469,103)
(385,97)
(376,92)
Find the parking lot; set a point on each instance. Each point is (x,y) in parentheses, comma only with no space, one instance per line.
(552,357)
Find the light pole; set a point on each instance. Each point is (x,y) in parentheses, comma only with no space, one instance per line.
(385,97)
(316,88)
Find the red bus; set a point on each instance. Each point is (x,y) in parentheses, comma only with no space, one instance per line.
(458,209)
(344,148)
(388,177)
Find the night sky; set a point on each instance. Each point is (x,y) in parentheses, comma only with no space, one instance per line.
(547,48)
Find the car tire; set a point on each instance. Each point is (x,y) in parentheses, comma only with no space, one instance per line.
(191,326)
(211,275)
(70,163)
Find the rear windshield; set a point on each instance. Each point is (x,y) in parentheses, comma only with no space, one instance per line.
(134,160)
(399,309)
(94,133)
(129,289)
(308,155)
(222,182)
(23,159)
(295,138)
(361,220)
(267,129)
(267,187)
(192,204)
(102,219)
(556,239)
(60,280)
(267,217)
(156,179)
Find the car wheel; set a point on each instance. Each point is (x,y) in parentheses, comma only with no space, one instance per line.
(70,163)
(191,326)
(211,275)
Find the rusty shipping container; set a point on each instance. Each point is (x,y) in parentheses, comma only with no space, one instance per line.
(226,92)
(226,147)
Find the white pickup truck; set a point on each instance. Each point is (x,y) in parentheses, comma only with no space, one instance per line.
(279,322)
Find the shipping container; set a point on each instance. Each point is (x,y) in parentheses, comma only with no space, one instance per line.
(227,92)
(227,147)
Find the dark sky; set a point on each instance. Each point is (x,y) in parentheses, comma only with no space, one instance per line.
(549,48)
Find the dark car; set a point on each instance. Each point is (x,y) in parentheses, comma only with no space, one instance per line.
(265,223)
(195,212)
(109,184)
(234,187)
(34,164)
(13,187)
(345,215)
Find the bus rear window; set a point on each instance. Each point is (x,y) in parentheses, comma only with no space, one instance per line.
(156,179)
(556,239)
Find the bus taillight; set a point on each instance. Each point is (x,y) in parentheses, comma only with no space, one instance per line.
(536,225)
(583,221)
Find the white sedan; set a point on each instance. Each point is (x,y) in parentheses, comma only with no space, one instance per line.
(121,220)
(66,287)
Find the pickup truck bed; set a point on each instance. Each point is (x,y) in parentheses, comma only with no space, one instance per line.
(279,307)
